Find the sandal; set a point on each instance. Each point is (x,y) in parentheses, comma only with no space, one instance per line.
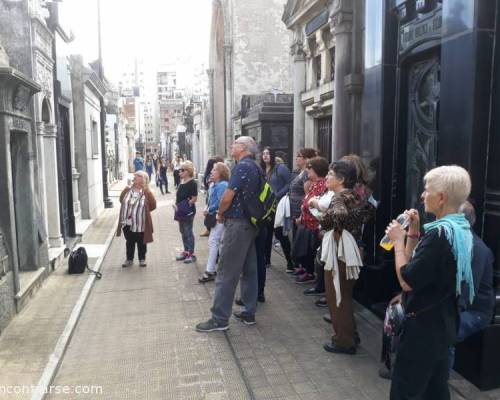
(207,277)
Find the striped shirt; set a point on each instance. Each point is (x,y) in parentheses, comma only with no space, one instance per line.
(134,212)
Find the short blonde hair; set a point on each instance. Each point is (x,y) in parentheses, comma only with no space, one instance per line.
(223,170)
(188,167)
(145,178)
(452,180)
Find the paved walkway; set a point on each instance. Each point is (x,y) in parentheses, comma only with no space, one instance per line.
(30,338)
(136,336)
(136,340)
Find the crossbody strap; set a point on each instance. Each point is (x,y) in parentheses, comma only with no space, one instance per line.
(415,314)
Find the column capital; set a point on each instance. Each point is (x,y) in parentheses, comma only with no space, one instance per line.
(341,21)
(297,51)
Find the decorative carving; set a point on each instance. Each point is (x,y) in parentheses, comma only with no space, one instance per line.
(423,104)
(42,38)
(341,22)
(297,50)
(21,98)
(44,77)
(20,124)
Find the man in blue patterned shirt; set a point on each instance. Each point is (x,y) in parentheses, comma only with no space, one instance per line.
(238,258)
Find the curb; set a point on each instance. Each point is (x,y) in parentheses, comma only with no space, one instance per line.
(55,359)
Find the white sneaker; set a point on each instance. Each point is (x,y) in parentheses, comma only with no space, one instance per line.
(127,263)
(142,263)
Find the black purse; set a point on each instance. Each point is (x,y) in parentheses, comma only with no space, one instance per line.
(210,221)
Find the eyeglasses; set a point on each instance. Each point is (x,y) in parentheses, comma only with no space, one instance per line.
(181,169)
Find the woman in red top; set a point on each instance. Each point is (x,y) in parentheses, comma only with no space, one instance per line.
(306,240)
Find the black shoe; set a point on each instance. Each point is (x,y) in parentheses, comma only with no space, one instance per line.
(333,348)
(321,302)
(327,318)
(238,302)
(385,372)
(261,298)
(245,318)
(357,339)
(313,292)
(210,326)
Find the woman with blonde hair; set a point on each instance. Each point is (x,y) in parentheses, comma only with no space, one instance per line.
(185,210)
(220,178)
(432,272)
(137,202)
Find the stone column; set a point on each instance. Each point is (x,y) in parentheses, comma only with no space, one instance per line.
(52,188)
(299,86)
(341,26)
(228,68)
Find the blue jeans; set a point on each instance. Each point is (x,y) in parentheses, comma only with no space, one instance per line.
(186,230)
(470,323)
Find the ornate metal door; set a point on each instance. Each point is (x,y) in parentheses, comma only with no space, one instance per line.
(423,118)
(325,137)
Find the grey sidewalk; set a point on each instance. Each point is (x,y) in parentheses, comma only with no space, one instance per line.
(30,338)
(136,339)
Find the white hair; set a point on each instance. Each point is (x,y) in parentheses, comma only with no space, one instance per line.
(452,180)
(248,143)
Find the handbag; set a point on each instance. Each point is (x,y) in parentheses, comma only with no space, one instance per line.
(210,221)
(78,262)
(184,211)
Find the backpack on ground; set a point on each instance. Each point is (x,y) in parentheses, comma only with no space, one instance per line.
(261,207)
(78,262)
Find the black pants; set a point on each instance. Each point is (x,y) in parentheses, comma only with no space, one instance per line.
(163,182)
(284,241)
(260,244)
(133,238)
(420,379)
(177,178)
(319,267)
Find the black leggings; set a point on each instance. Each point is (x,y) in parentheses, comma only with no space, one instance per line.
(284,241)
(132,239)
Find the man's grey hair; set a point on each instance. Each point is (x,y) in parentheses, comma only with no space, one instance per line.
(469,212)
(248,143)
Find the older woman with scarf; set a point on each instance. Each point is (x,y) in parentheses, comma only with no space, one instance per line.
(137,202)
(431,272)
(306,239)
(342,223)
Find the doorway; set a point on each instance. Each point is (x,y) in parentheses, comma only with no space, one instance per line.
(325,137)
(64,174)
(419,127)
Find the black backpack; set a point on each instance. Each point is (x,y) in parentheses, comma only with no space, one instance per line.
(78,262)
(259,208)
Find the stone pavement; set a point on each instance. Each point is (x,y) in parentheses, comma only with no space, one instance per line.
(30,338)
(136,340)
(136,337)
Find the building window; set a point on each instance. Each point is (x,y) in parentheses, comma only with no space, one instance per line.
(332,63)
(94,139)
(317,67)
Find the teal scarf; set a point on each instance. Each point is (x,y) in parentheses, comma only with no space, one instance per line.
(458,233)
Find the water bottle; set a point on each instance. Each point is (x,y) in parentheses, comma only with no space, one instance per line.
(404,220)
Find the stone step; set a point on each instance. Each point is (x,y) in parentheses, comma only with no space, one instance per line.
(30,282)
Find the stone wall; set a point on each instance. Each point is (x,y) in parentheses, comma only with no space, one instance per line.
(260,49)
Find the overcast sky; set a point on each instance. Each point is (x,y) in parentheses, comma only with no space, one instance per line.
(158,31)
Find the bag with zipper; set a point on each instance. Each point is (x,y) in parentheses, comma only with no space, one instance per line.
(78,262)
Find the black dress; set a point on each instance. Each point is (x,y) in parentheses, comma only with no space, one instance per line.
(421,368)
